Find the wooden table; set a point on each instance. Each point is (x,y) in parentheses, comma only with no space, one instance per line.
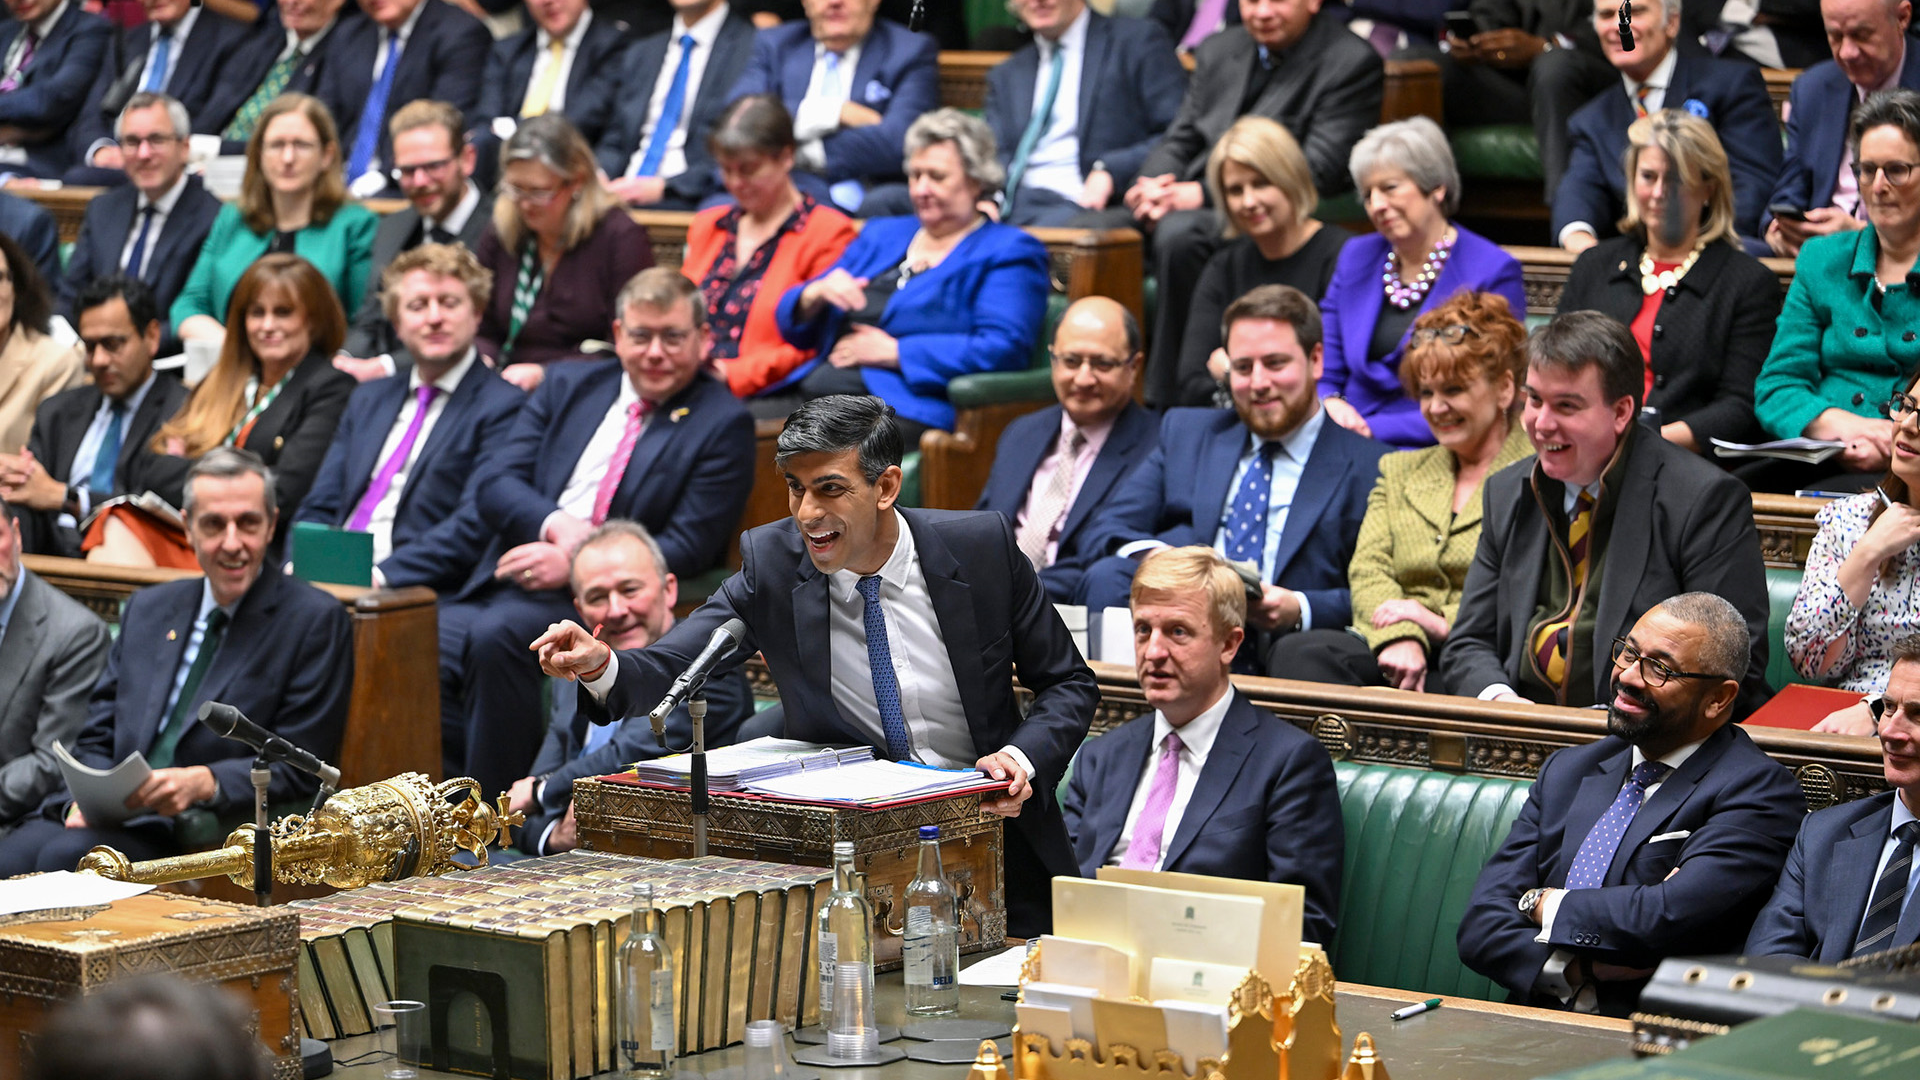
(1462,1040)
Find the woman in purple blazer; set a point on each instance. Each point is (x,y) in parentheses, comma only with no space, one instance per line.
(1405,175)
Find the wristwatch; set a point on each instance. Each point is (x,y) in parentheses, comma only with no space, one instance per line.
(1530,900)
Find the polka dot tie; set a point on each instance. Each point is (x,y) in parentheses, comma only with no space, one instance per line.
(1247,513)
(1883,910)
(1597,850)
(886,688)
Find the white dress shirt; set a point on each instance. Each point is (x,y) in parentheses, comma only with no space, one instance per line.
(543,59)
(1656,85)
(380,524)
(162,208)
(1054,163)
(457,219)
(705,33)
(829,87)
(577,497)
(1196,738)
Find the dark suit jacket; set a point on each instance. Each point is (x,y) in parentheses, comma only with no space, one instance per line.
(1543,19)
(244,70)
(590,88)
(898,76)
(1712,333)
(639,71)
(1821,897)
(1817,112)
(1026,443)
(53,87)
(1680,524)
(61,423)
(371,334)
(1177,496)
(1326,91)
(1131,83)
(1736,810)
(50,658)
(34,229)
(437,533)
(1735,101)
(1265,808)
(561,761)
(577,301)
(111,217)
(444,60)
(195,68)
(286,663)
(994,618)
(687,480)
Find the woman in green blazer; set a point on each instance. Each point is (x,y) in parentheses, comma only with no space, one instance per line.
(1463,364)
(293,201)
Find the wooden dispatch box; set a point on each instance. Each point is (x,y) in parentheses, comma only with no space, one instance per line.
(633,819)
(47,956)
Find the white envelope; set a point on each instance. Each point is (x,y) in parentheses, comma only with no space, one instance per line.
(1191,980)
(1093,964)
(1076,1001)
(1195,1030)
(1050,1021)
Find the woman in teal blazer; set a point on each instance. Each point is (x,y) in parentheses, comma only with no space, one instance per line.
(291,200)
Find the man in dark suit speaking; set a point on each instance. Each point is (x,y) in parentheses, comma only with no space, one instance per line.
(1660,840)
(925,615)
(1206,783)
(277,649)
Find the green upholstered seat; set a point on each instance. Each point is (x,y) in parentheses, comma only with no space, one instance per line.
(1002,387)
(1416,841)
(66,255)
(910,479)
(1782,586)
(1497,152)
(1344,207)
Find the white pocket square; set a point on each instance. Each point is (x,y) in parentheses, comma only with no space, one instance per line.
(1681,835)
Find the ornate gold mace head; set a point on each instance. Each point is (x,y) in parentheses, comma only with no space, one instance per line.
(404,827)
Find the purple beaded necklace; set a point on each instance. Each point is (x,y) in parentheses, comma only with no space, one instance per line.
(1402,294)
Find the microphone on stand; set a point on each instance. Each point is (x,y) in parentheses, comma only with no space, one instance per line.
(726,637)
(1626,25)
(917,16)
(228,723)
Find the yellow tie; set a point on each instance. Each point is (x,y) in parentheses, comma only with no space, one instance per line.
(541,91)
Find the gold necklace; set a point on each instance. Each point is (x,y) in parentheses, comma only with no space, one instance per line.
(1651,282)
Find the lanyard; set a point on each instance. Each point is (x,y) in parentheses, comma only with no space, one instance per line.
(260,406)
(526,289)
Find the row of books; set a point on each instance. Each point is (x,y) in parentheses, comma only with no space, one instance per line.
(526,952)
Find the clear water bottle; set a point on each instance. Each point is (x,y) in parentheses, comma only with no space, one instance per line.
(846,963)
(930,943)
(646,1027)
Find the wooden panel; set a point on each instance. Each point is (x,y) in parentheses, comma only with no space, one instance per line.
(1779,82)
(1413,89)
(1545,270)
(1786,528)
(68,205)
(963,77)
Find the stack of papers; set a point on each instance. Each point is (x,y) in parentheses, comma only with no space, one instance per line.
(866,783)
(1811,451)
(732,768)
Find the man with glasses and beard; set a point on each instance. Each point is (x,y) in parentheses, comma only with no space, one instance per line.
(1663,838)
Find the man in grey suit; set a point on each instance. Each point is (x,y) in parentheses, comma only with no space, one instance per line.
(52,651)
(433,164)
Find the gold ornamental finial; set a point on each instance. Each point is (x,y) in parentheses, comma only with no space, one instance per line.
(987,1064)
(1366,1063)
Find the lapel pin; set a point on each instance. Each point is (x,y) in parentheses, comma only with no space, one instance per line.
(171,634)
(679,414)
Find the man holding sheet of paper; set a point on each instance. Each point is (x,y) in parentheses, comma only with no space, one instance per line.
(898,628)
(1208,783)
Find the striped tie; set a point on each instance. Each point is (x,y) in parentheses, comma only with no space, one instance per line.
(1640,100)
(1883,910)
(1550,639)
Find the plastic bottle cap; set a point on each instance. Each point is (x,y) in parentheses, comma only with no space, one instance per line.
(929,832)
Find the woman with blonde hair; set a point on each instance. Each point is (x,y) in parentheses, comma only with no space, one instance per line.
(560,246)
(1701,309)
(274,391)
(1262,187)
(292,201)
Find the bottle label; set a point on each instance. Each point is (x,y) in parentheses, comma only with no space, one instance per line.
(829,956)
(916,946)
(661,1009)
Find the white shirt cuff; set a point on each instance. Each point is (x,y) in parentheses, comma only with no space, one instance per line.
(1306,610)
(603,682)
(1496,690)
(1138,547)
(386,363)
(1549,907)
(546,525)
(815,119)
(1553,976)
(379,579)
(1576,227)
(98,145)
(541,847)
(1020,757)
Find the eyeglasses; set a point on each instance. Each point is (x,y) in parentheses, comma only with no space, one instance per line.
(431,168)
(1445,335)
(133,143)
(531,196)
(1897,172)
(1900,406)
(1880,708)
(644,338)
(297,147)
(1102,365)
(1626,654)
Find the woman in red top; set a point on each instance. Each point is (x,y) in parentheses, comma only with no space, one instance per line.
(746,255)
(1702,309)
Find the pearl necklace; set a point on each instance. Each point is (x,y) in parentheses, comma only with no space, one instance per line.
(1402,294)
(1651,282)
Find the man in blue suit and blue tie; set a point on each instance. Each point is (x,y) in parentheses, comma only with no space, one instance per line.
(854,84)
(1054,466)
(1849,883)
(1270,484)
(401,462)
(1871,51)
(1207,783)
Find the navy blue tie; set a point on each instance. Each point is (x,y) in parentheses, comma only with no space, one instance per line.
(1889,893)
(138,255)
(1597,850)
(1247,513)
(886,688)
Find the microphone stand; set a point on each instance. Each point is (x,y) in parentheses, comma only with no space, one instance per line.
(697,712)
(262,774)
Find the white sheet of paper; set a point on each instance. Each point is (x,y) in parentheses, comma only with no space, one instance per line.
(1000,969)
(1049,1020)
(102,793)
(62,889)
(1191,980)
(1087,963)
(1195,1030)
(1076,1000)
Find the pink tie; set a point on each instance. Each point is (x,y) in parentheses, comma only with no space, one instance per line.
(1143,852)
(13,81)
(383,480)
(617,468)
(1206,19)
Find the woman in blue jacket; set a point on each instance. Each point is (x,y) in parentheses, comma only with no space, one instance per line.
(917,301)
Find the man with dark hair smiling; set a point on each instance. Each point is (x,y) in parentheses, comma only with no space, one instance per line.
(926,615)
(1661,839)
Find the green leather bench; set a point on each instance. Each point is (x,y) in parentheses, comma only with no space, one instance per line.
(1416,841)
(1782,586)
